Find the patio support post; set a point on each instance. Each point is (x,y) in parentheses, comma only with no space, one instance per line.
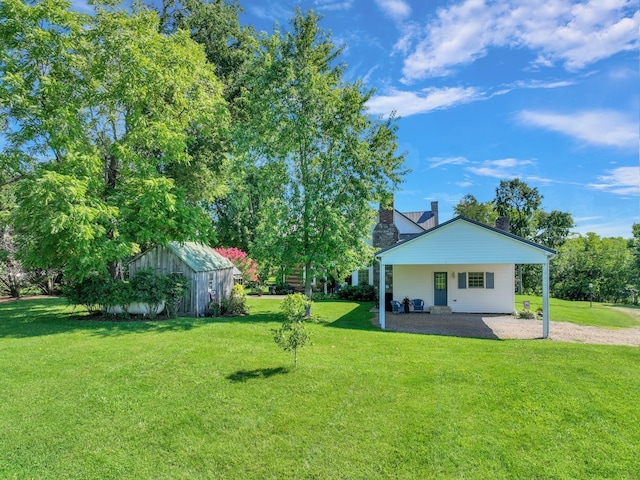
(545,299)
(381,295)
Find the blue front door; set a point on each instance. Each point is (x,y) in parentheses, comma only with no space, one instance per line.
(440,288)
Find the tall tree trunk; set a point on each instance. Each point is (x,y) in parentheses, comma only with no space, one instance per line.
(308,291)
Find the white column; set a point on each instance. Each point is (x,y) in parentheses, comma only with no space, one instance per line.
(545,299)
(354,278)
(381,294)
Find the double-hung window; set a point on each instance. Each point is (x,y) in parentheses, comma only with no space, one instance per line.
(475,280)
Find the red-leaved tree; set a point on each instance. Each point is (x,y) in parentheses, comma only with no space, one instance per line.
(247,266)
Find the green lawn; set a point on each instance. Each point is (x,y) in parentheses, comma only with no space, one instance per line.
(207,398)
(583,313)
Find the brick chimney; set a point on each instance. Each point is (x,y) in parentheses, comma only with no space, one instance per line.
(502,223)
(385,233)
(434,210)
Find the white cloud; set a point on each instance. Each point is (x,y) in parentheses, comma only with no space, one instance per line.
(464,184)
(545,85)
(624,181)
(441,162)
(597,127)
(407,103)
(619,228)
(410,32)
(502,168)
(575,34)
(271,10)
(396,9)
(334,4)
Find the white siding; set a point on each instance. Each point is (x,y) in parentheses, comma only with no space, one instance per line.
(461,242)
(416,281)
(500,299)
(413,281)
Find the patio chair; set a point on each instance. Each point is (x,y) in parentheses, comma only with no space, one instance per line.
(418,305)
(396,307)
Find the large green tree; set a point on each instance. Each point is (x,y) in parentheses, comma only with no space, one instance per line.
(551,228)
(116,129)
(470,207)
(605,263)
(518,201)
(318,156)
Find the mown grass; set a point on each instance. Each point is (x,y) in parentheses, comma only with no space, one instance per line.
(206,398)
(583,313)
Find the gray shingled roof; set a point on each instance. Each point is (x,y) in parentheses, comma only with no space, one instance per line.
(199,257)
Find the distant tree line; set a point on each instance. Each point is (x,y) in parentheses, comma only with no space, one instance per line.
(585,267)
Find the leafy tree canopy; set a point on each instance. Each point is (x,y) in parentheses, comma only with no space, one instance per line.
(605,263)
(518,201)
(471,208)
(119,130)
(522,205)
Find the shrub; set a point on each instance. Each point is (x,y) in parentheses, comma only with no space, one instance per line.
(91,292)
(237,303)
(149,288)
(98,292)
(323,297)
(232,306)
(214,309)
(282,288)
(118,294)
(527,314)
(175,287)
(359,293)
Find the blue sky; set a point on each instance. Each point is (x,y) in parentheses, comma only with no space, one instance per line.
(543,90)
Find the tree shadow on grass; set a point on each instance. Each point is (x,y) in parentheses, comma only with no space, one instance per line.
(50,316)
(357,319)
(242,376)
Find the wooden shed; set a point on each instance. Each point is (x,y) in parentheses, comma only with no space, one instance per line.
(210,274)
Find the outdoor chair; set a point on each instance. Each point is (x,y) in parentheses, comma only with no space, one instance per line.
(396,307)
(418,305)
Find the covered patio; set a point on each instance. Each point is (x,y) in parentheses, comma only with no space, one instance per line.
(470,325)
(462,267)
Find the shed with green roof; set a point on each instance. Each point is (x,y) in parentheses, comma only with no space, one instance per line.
(210,274)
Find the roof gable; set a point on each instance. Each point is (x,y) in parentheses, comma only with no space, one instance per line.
(405,225)
(425,219)
(199,257)
(462,240)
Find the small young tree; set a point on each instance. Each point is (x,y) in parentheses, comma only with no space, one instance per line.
(293,335)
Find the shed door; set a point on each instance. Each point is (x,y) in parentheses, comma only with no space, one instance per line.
(440,288)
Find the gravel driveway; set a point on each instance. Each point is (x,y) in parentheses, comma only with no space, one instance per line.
(505,327)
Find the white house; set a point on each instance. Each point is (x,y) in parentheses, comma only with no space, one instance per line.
(463,265)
